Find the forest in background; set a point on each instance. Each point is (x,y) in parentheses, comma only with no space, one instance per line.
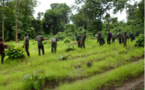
(92,17)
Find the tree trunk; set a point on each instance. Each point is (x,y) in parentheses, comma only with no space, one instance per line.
(3,22)
(16,21)
(108,25)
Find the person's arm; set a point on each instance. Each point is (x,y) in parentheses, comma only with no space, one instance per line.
(24,43)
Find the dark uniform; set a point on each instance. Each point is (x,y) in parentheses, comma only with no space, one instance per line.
(39,39)
(125,38)
(26,44)
(109,36)
(2,47)
(53,45)
(83,40)
(132,36)
(78,38)
(101,39)
(113,38)
(120,37)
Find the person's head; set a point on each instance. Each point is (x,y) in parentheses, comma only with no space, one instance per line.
(39,33)
(1,39)
(76,34)
(124,33)
(25,34)
(119,30)
(85,32)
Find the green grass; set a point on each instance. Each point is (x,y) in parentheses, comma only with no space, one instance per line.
(110,62)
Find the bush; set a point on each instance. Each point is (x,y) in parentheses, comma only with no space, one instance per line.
(69,48)
(60,35)
(14,52)
(63,57)
(34,80)
(140,41)
(67,40)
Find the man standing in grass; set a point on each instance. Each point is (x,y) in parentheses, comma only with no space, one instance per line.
(109,36)
(53,45)
(132,36)
(2,49)
(113,38)
(100,38)
(125,38)
(120,36)
(26,44)
(78,38)
(39,40)
(83,40)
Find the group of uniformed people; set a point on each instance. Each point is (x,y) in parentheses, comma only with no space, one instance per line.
(122,38)
(39,38)
(80,39)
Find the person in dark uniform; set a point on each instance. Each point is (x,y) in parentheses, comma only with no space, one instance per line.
(2,49)
(53,45)
(132,36)
(109,36)
(26,44)
(39,40)
(100,38)
(78,38)
(120,37)
(83,40)
(113,38)
(125,38)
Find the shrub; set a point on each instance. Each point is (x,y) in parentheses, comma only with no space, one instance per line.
(14,52)
(34,80)
(60,35)
(69,48)
(67,40)
(140,41)
(64,57)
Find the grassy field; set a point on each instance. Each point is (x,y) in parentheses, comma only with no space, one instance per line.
(93,68)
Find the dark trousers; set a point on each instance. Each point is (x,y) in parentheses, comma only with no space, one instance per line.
(119,40)
(2,57)
(108,40)
(41,48)
(113,40)
(83,44)
(27,49)
(53,47)
(79,44)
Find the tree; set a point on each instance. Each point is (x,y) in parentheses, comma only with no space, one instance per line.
(40,14)
(24,17)
(55,19)
(3,23)
(107,18)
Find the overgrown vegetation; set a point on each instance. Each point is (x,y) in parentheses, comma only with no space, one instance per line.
(34,80)
(82,65)
(63,57)
(140,41)
(69,48)
(14,52)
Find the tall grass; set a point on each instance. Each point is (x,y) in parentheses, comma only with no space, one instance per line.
(104,58)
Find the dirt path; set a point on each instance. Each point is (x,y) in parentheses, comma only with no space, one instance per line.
(137,84)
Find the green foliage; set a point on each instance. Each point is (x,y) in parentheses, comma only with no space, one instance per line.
(67,40)
(45,42)
(63,57)
(34,80)
(69,48)
(56,18)
(60,35)
(14,52)
(140,41)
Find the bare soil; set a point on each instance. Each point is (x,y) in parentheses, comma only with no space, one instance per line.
(137,84)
